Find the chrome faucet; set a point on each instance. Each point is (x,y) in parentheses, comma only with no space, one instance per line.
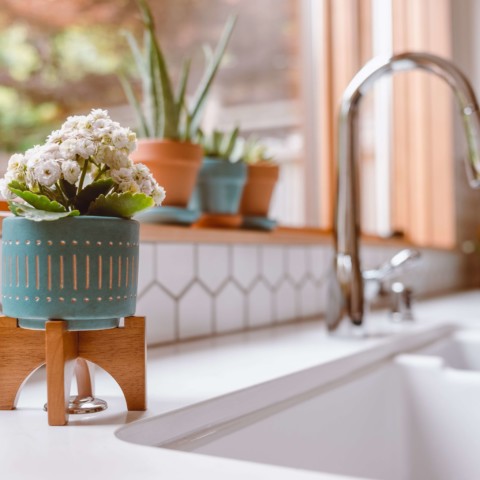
(346,288)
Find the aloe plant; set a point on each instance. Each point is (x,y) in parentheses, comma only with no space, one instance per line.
(255,152)
(165,113)
(223,145)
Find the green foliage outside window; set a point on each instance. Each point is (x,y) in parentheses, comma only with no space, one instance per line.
(43,77)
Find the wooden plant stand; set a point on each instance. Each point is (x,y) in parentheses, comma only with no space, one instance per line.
(119,351)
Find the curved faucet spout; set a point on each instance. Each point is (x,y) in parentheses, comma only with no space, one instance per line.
(346,285)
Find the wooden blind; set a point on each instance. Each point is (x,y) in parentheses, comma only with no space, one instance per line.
(422,187)
(346,45)
(422,201)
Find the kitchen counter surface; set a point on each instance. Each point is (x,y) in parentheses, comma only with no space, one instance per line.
(188,373)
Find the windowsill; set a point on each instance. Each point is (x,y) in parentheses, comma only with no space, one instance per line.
(150,232)
(281,235)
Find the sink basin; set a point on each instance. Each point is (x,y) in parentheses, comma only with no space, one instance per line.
(411,416)
(461,350)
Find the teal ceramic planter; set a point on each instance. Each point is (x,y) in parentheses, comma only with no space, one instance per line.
(80,269)
(220,186)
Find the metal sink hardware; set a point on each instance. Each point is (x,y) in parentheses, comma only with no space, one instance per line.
(346,285)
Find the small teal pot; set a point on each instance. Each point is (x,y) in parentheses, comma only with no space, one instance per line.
(80,269)
(220,186)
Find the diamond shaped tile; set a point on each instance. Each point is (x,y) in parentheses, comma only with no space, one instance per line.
(273,264)
(159,308)
(297,263)
(229,309)
(213,265)
(175,266)
(309,300)
(245,264)
(146,267)
(195,313)
(285,302)
(259,306)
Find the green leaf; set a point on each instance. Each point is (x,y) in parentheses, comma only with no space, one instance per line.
(68,189)
(149,87)
(230,145)
(208,52)
(124,205)
(166,100)
(132,99)
(155,100)
(17,185)
(40,202)
(91,192)
(37,215)
(182,88)
(136,52)
(209,75)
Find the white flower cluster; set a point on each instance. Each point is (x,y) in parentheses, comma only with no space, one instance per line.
(93,138)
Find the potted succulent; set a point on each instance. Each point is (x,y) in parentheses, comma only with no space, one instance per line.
(71,250)
(221,179)
(167,124)
(262,176)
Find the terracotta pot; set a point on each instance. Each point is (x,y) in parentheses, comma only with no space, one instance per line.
(174,165)
(258,191)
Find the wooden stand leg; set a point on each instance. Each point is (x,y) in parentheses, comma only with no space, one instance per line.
(61,351)
(121,352)
(84,377)
(21,353)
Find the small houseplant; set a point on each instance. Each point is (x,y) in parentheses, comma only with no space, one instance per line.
(221,179)
(71,250)
(167,124)
(262,176)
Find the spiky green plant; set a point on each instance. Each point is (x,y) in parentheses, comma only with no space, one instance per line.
(165,113)
(255,152)
(223,145)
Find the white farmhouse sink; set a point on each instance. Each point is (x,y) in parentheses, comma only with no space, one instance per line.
(461,350)
(401,417)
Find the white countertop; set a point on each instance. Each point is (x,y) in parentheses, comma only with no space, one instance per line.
(183,375)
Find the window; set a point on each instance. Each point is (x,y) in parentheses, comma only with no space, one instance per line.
(285,70)
(63,59)
(406,137)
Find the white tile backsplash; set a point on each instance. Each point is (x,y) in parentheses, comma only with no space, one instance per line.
(213,266)
(259,305)
(272,264)
(229,309)
(297,263)
(191,290)
(195,313)
(285,302)
(175,266)
(245,264)
(310,299)
(160,310)
(320,261)
(146,267)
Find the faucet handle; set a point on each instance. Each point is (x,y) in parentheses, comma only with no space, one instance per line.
(375,279)
(401,307)
(402,259)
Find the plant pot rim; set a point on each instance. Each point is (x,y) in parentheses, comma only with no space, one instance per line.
(264,163)
(168,140)
(76,218)
(221,159)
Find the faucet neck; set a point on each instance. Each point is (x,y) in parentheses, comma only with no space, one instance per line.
(349,281)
